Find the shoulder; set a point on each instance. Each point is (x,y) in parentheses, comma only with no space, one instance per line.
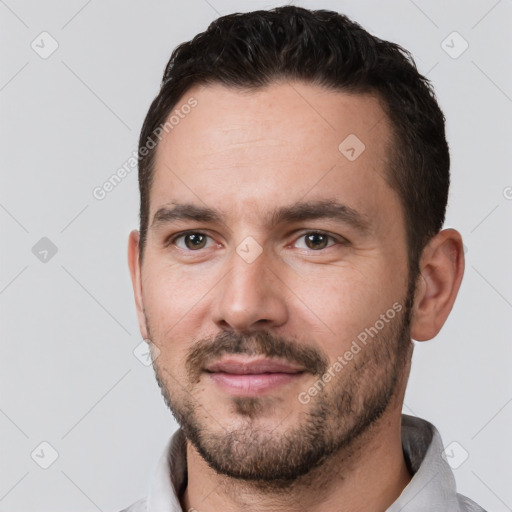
(467,505)
(138,506)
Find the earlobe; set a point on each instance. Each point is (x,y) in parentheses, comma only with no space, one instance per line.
(136,277)
(441,268)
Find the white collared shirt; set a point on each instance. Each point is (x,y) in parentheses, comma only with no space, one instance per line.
(431,489)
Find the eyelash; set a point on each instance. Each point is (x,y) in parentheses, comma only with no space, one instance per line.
(339,240)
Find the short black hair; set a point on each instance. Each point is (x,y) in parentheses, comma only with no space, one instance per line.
(255,49)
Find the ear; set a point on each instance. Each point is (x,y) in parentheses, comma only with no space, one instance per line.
(441,269)
(135,273)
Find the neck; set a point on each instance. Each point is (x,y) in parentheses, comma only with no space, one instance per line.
(368,475)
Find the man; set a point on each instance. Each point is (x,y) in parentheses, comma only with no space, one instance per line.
(294,174)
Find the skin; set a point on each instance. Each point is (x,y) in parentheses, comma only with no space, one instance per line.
(244,154)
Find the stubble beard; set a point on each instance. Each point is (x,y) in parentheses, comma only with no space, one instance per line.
(341,413)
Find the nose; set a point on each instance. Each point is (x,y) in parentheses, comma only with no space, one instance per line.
(250,296)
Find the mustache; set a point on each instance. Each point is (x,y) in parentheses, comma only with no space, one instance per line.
(262,343)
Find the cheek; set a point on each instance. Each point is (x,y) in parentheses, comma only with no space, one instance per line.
(172,293)
(344,305)
(174,306)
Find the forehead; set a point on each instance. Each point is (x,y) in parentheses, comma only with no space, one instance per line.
(244,151)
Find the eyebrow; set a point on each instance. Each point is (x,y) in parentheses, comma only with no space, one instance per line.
(310,210)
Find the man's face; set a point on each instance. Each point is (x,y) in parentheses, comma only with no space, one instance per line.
(281,272)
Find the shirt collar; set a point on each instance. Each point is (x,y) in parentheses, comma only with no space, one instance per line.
(170,476)
(432,486)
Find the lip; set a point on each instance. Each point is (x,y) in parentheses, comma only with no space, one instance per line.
(249,377)
(244,366)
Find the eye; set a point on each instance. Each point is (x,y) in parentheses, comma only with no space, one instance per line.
(195,240)
(192,240)
(317,240)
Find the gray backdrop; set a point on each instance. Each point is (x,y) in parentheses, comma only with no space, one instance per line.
(77,396)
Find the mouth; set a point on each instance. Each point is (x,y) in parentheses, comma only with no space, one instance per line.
(248,377)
